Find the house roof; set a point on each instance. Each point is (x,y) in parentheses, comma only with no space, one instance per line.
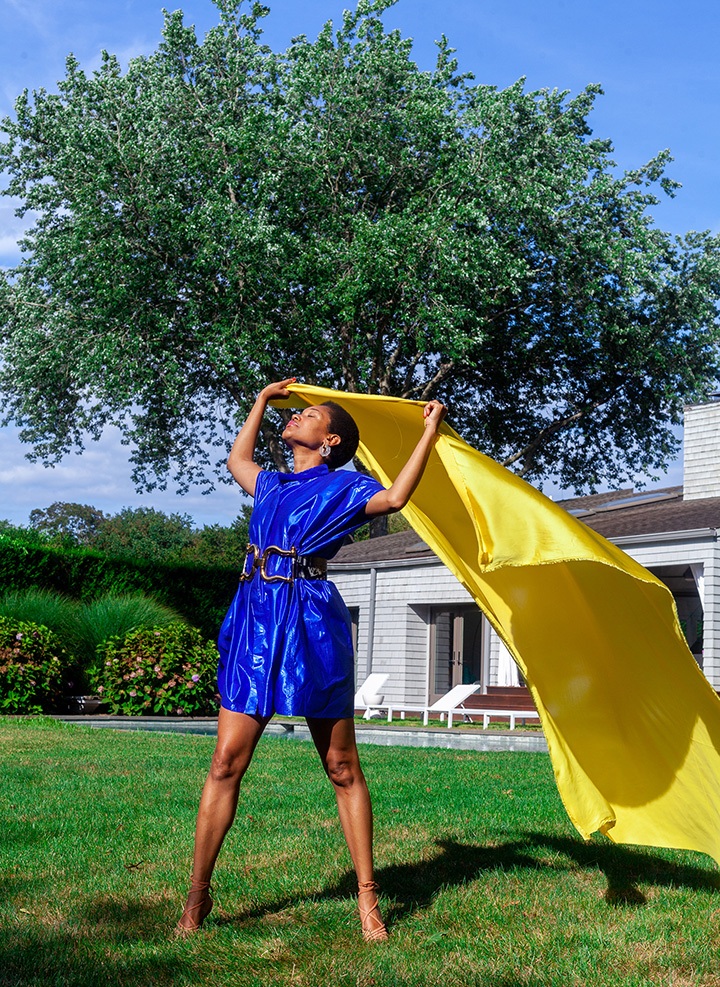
(402,545)
(620,513)
(648,512)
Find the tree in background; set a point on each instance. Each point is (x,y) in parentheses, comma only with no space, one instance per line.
(220,215)
(215,545)
(78,523)
(146,533)
(143,532)
(140,533)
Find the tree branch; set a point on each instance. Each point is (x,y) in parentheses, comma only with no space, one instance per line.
(443,371)
(531,448)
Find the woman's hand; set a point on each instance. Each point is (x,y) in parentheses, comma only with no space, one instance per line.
(241,461)
(277,390)
(433,413)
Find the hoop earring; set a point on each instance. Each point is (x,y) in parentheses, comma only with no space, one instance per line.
(324,450)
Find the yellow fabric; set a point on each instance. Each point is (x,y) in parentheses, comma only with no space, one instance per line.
(632,725)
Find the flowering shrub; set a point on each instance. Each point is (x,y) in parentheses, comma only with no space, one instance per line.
(163,670)
(31,666)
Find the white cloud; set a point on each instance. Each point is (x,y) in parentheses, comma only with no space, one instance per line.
(99,476)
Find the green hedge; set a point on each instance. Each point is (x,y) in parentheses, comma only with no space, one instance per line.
(201,594)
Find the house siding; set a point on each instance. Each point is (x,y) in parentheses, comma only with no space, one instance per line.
(701,476)
(406,592)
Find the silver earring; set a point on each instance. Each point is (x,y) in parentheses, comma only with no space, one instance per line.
(324,450)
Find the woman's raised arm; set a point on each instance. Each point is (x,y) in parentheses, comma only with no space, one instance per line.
(241,462)
(399,493)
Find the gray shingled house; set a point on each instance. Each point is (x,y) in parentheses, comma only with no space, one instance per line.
(414,621)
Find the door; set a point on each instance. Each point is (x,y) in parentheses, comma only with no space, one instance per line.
(456,648)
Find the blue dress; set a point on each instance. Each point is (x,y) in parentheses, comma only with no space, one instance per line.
(287,647)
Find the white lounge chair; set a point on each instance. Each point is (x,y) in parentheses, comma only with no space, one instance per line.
(452,702)
(369,696)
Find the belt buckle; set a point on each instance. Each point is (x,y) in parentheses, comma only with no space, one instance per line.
(275,550)
(256,562)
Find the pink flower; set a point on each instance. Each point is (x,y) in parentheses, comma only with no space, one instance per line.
(132,693)
(101,688)
(196,678)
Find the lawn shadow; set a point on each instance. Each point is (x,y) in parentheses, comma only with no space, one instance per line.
(128,918)
(65,956)
(625,867)
(414,885)
(94,944)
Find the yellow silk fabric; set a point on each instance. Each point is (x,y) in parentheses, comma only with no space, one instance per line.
(632,725)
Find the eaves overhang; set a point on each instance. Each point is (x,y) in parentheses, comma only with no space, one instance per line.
(660,537)
(383,563)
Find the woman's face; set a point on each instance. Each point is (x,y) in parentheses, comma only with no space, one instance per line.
(310,428)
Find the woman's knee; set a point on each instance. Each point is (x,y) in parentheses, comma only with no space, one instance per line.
(343,769)
(228,764)
(238,735)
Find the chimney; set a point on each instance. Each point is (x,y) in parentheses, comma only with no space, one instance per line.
(701,456)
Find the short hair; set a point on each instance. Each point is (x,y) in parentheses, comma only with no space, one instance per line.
(343,424)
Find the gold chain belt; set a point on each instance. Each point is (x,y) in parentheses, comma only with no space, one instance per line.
(302,566)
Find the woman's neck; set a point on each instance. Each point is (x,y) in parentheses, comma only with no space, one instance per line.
(305,459)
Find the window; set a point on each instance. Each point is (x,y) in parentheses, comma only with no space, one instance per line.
(355,621)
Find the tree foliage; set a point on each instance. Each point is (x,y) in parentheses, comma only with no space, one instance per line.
(145,533)
(220,214)
(79,523)
(141,533)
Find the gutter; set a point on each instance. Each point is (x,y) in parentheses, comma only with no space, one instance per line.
(692,534)
(657,537)
(383,564)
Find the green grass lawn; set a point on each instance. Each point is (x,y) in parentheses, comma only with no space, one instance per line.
(485,882)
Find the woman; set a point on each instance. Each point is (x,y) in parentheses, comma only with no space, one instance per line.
(285,643)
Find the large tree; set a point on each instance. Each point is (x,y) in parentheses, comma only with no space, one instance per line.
(219,215)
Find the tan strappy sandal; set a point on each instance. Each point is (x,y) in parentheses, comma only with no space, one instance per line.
(198,911)
(377,932)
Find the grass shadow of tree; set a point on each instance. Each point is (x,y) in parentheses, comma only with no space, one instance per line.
(414,885)
(93,950)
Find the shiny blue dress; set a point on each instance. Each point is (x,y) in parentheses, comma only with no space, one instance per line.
(287,647)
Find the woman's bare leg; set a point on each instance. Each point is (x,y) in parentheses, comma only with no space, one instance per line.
(335,743)
(237,739)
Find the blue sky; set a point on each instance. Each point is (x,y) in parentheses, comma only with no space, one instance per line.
(657,62)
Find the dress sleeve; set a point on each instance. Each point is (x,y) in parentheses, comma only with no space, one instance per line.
(341,512)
